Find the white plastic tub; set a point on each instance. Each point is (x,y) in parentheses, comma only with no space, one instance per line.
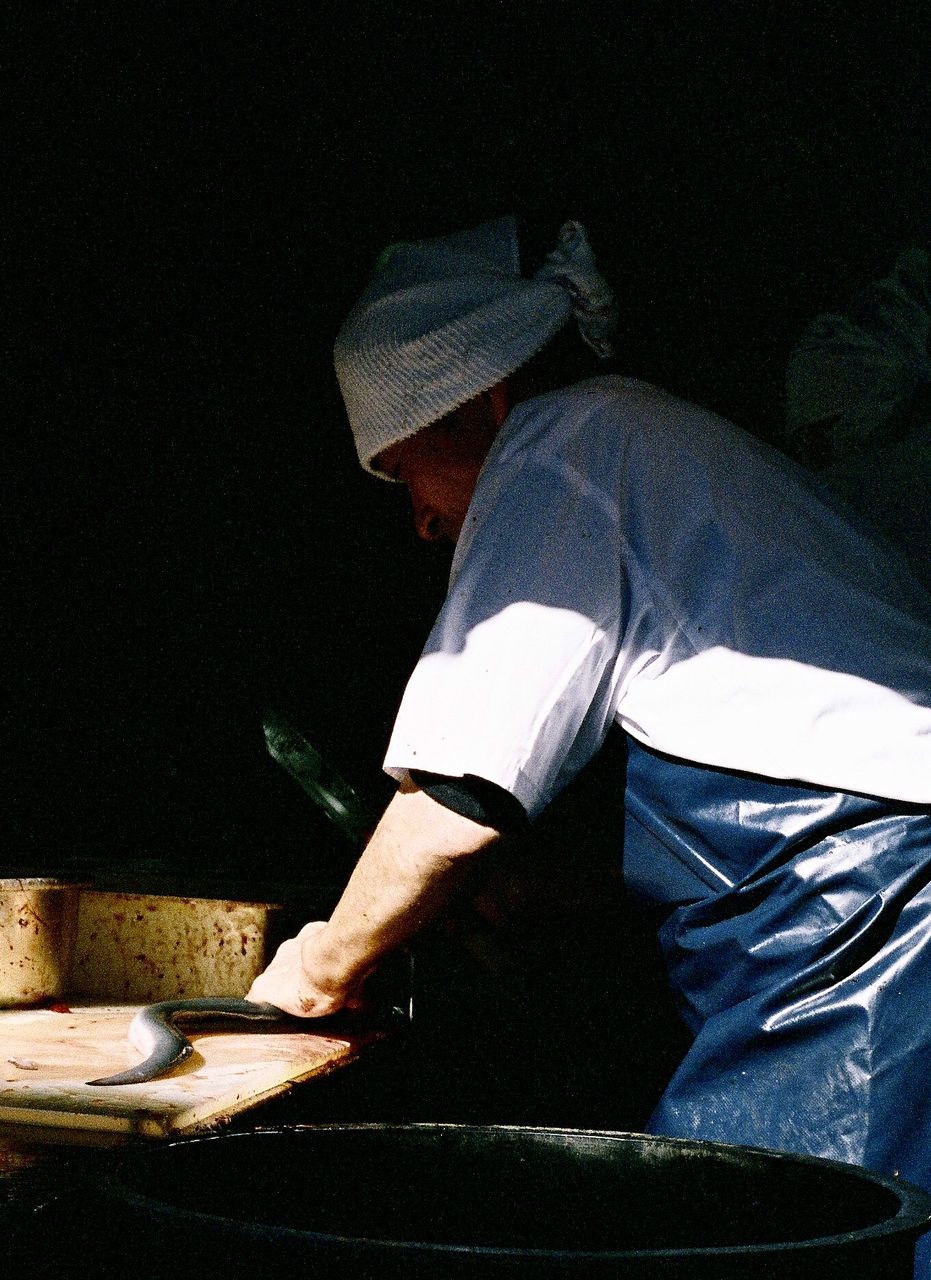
(149,947)
(38,927)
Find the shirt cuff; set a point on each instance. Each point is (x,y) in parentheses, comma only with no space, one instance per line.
(482,801)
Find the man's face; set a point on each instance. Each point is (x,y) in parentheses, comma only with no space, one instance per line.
(440,466)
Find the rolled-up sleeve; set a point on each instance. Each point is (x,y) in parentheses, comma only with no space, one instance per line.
(516,683)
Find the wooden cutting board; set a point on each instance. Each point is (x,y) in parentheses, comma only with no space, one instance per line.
(46,1057)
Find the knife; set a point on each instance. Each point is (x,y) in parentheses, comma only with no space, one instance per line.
(288,747)
(343,806)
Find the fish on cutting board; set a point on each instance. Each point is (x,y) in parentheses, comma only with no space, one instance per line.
(153,1032)
(228,1073)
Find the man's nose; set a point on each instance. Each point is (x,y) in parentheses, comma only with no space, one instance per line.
(426,521)
(427,524)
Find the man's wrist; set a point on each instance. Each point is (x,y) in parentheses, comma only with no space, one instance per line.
(325,964)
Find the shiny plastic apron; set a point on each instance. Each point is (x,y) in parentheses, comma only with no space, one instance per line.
(799,949)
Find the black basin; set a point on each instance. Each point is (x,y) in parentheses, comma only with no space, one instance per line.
(448,1200)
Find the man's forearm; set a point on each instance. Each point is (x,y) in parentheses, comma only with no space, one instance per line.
(417,858)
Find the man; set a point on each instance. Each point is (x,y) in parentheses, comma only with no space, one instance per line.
(623,557)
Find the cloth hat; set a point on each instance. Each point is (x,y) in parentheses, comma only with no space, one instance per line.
(444,319)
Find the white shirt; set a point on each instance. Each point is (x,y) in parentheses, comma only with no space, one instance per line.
(630,557)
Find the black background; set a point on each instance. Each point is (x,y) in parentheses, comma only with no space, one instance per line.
(198,191)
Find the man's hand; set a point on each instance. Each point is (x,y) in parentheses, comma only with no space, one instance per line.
(293,981)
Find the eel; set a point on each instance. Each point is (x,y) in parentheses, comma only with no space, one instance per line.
(153,1032)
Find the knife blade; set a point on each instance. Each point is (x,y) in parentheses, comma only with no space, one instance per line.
(342,805)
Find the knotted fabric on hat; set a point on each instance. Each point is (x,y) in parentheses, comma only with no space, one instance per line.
(445,319)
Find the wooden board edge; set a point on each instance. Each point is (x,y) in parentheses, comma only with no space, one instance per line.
(192,1122)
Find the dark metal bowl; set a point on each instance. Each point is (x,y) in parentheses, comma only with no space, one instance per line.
(434,1200)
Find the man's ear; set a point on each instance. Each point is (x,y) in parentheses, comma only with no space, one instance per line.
(499,397)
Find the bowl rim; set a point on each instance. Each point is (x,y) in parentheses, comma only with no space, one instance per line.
(912,1218)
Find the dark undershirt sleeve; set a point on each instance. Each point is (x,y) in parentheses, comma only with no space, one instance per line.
(476,798)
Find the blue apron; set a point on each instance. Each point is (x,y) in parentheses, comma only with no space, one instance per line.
(799,950)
